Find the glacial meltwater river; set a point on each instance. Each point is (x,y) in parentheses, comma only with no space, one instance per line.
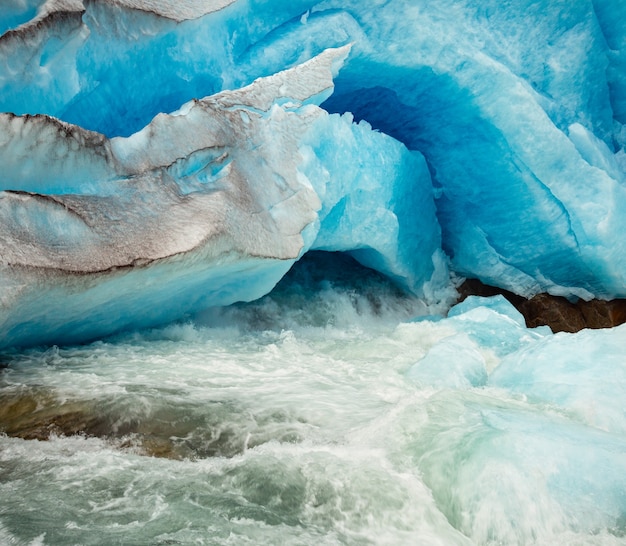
(305,419)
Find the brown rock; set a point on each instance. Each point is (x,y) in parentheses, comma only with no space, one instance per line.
(603,314)
(553,311)
(39,413)
(556,312)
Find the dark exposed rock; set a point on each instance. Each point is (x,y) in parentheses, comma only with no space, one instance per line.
(554,311)
(603,314)
(38,414)
(560,314)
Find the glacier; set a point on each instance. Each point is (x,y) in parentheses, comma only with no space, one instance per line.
(161,157)
(233,237)
(204,207)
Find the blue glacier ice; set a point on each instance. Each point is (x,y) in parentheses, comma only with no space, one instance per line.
(485,139)
(584,375)
(491,107)
(483,331)
(204,207)
(490,95)
(485,343)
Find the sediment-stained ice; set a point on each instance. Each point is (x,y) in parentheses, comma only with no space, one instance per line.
(204,207)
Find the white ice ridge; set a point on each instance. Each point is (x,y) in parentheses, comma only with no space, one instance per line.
(201,176)
(206,206)
(176,10)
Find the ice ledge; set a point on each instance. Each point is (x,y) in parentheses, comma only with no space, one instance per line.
(132,201)
(177,10)
(309,83)
(204,207)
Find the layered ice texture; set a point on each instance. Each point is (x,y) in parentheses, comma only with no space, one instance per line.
(163,157)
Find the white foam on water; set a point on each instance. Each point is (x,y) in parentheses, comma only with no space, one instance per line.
(290,424)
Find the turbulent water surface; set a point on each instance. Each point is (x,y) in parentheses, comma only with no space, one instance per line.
(304,419)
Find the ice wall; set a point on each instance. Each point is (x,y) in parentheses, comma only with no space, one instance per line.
(492,95)
(511,114)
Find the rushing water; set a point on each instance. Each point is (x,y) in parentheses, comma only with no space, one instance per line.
(302,419)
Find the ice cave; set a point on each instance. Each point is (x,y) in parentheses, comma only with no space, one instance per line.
(235,233)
